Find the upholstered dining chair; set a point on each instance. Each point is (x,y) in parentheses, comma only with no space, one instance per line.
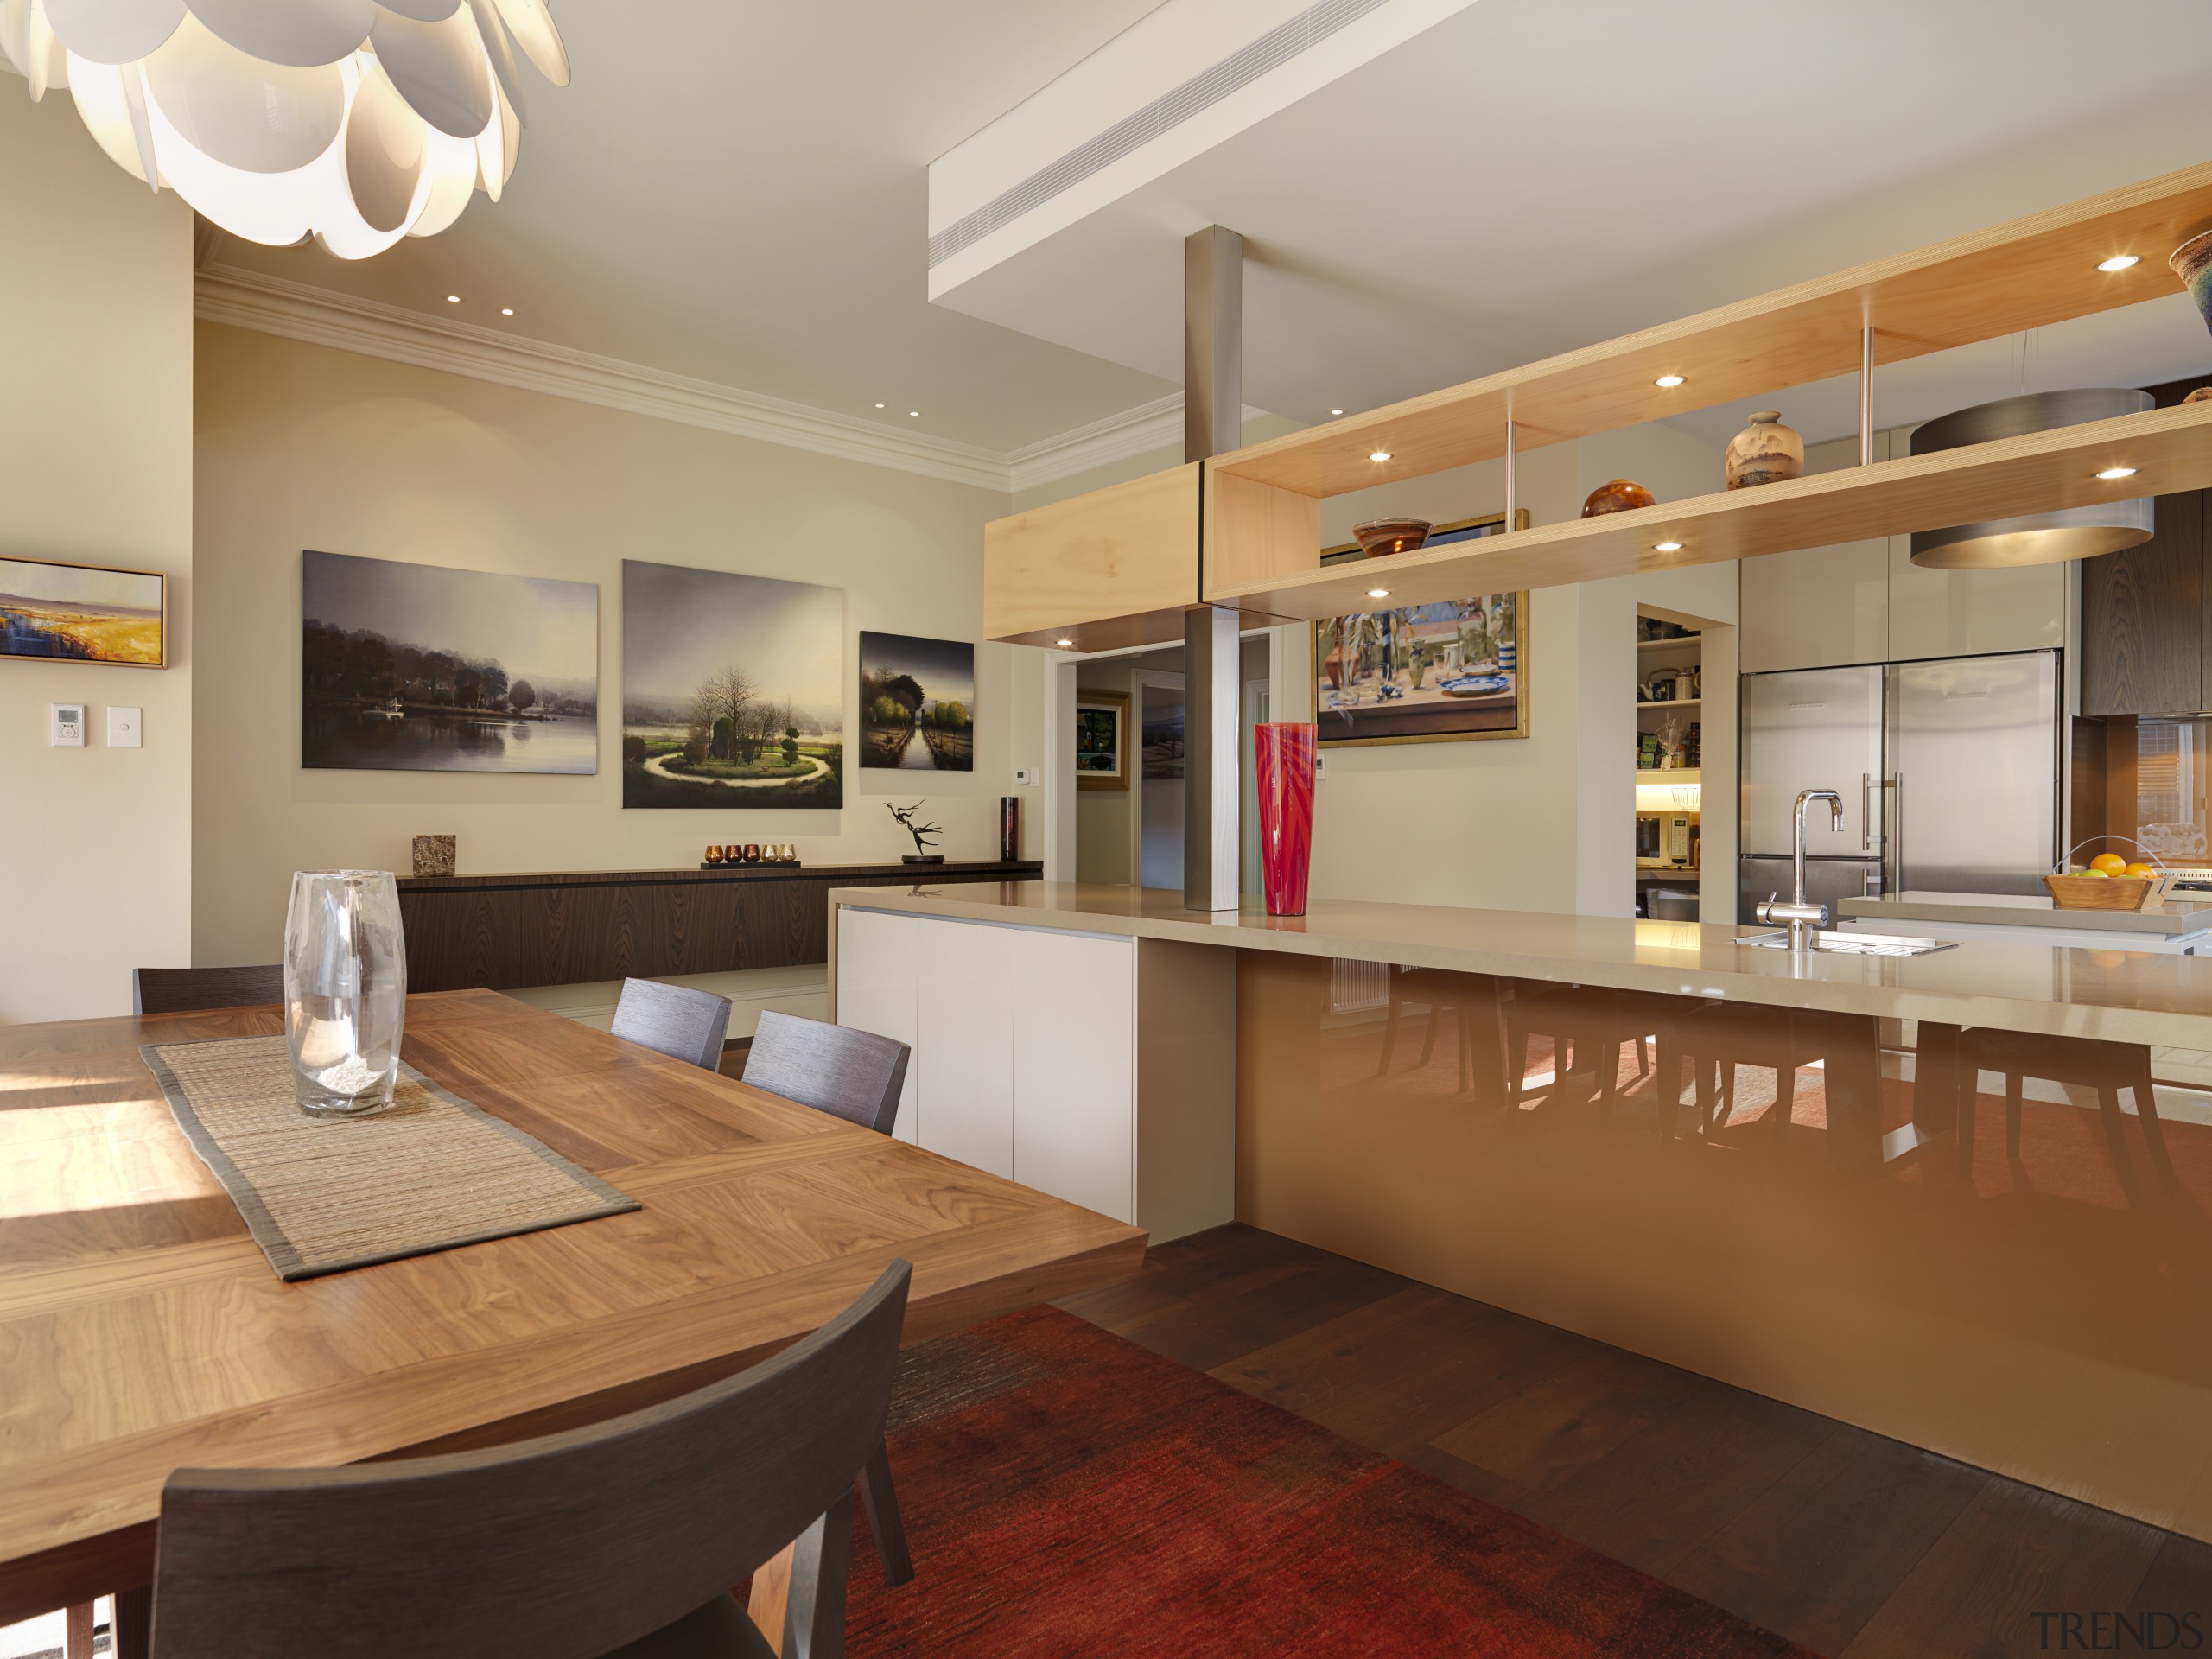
(618,1540)
(183,990)
(855,1075)
(673,1020)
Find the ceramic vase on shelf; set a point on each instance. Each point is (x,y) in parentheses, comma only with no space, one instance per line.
(1009,828)
(1283,772)
(1765,452)
(2192,263)
(345,990)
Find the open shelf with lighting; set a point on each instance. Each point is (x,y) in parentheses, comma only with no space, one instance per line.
(1257,545)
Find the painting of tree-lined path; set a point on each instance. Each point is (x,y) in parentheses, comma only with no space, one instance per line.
(732,689)
(419,668)
(917,703)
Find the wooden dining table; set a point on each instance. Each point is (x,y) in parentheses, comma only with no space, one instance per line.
(142,1330)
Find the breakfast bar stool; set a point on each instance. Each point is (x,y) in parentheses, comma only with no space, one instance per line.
(1585,1023)
(1444,994)
(2106,1067)
(1720,1037)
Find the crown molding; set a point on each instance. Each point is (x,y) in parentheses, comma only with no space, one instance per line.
(274,305)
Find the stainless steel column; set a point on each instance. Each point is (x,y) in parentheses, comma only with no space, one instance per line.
(1213,342)
(1213,423)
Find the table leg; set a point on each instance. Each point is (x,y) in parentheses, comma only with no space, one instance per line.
(76,1632)
(1851,1045)
(134,1623)
(1937,1081)
(771,1594)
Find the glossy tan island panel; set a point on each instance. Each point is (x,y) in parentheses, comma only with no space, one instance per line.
(2035,1308)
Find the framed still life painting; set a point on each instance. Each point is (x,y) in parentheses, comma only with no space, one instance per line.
(83,614)
(1101,740)
(1439,673)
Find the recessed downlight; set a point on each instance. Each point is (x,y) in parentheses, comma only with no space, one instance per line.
(1670,381)
(1666,547)
(1378,593)
(1379,454)
(879,405)
(453,299)
(2110,473)
(506,310)
(1064,642)
(2120,262)
(1335,412)
(913,414)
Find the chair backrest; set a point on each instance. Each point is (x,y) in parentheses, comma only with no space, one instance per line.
(181,990)
(855,1074)
(675,1019)
(563,1547)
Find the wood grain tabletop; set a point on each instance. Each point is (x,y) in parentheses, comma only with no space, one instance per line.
(142,1330)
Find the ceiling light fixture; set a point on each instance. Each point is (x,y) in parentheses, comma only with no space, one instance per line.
(1378,593)
(913,414)
(1379,454)
(879,405)
(453,299)
(2120,262)
(1666,547)
(1335,412)
(1669,381)
(506,310)
(2110,473)
(352,122)
(1064,642)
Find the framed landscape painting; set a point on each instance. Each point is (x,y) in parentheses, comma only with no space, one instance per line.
(917,703)
(1101,740)
(733,690)
(83,614)
(420,668)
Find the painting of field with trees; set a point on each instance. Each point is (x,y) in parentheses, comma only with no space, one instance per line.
(419,668)
(733,690)
(80,613)
(917,703)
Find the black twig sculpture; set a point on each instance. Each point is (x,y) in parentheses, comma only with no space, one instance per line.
(920,832)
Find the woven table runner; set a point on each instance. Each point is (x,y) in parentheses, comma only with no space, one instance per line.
(323,1194)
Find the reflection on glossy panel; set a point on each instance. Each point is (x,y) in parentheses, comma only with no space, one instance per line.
(1773,1196)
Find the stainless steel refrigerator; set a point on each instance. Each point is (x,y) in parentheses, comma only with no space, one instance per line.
(1948,771)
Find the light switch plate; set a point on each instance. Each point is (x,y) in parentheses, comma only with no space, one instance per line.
(1024,775)
(125,728)
(1320,767)
(68,729)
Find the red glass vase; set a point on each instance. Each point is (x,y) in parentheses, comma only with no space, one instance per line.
(1282,757)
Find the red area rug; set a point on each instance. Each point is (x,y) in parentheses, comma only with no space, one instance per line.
(1068,1493)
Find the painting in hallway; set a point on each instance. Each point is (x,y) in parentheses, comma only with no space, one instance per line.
(420,668)
(917,703)
(733,690)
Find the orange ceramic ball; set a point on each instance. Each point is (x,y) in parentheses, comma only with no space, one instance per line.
(1619,495)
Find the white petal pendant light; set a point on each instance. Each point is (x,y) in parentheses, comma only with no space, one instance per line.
(355,122)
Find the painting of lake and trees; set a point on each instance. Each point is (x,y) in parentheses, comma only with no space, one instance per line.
(917,703)
(733,690)
(418,668)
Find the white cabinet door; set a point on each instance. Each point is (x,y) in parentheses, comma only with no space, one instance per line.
(965,1015)
(879,978)
(1972,613)
(1075,1069)
(1817,607)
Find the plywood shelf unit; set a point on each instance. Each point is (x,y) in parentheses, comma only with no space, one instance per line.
(1262,503)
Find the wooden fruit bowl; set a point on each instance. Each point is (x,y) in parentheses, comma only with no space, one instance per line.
(2100,892)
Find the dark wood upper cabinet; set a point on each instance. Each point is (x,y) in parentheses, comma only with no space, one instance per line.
(2144,620)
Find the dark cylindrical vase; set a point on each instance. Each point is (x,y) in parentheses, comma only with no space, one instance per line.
(1283,770)
(1009,828)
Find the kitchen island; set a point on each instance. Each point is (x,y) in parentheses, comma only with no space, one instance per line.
(2181,926)
(1494,1103)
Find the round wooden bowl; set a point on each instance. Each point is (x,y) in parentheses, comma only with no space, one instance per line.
(1379,536)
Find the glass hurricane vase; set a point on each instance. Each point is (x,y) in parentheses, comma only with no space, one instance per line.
(345,990)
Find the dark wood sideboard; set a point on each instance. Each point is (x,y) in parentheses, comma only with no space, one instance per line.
(502,931)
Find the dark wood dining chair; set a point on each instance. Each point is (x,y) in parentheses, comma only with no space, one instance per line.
(1457,998)
(855,1075)
(618,1540)
(1587,1025)
(184,990)
(673,1020)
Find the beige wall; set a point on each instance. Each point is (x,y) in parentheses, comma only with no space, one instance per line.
(95,468)
(302,447)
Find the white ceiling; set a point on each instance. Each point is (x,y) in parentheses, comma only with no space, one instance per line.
(734,190)
(1529,177)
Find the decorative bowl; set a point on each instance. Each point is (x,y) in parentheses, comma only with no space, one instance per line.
(2099,892)
(1618,495)
(1379,536)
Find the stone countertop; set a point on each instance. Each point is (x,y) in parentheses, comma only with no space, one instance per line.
(2134,997)
(2178,918)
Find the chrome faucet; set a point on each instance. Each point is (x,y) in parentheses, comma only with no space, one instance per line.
(1803,918)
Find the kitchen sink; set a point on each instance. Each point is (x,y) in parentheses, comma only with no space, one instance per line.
(1850,943)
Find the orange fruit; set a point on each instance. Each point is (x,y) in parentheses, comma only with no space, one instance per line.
(2148,872)
(2108,863)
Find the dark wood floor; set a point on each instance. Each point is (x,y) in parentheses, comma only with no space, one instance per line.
(1853,1545)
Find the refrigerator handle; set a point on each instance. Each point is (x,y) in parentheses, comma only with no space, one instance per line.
(1866,811)
(1897,831)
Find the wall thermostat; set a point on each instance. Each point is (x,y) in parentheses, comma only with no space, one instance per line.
(68,732)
